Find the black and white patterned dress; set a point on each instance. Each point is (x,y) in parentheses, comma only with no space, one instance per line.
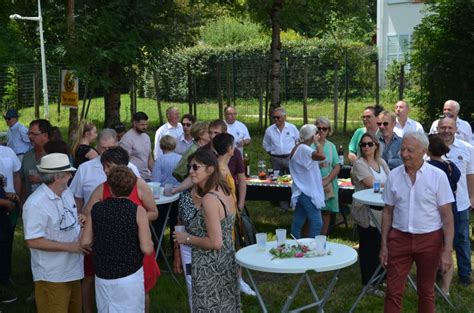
(214,272)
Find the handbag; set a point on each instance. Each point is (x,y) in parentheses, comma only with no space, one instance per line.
(245,232)
(328,191)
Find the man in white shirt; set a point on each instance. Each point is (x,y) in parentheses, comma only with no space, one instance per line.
(52,231)
(236,128)
(404,123)
(461,153)
(278,141)
(451,109)
(138,145)
(417,225)
(17,135)
(173,128)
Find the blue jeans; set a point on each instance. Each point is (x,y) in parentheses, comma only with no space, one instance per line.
(305,209)
(462,243)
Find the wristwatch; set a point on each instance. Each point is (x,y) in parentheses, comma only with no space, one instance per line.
(187,239)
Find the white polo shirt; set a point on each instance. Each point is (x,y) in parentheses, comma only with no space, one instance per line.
(416,206)
(240,132)
(278,142)
(9,164)
(42,215)
(461,153)
(166,129)
(464,131)
(88,176)
(410,126)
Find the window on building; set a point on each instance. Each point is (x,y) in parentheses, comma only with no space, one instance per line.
(397,48)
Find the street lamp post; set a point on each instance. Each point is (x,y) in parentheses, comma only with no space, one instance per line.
(39,19)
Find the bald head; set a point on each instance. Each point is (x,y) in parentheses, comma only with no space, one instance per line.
(451,109)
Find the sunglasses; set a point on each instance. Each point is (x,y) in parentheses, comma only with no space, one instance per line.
(365,144)
(195,167)
(323,129)
(384,124)
(276,117)
(187,124)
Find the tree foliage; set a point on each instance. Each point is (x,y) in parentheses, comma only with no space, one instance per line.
(443,67)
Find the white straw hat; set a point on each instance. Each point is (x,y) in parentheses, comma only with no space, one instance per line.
(55,162)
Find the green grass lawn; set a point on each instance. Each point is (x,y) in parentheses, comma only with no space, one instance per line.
(167,296)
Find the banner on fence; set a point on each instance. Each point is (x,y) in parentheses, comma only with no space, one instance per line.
(69,89)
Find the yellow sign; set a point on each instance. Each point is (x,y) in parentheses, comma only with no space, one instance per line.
(69,89)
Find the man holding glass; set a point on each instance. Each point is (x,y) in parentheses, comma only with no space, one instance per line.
(52,229)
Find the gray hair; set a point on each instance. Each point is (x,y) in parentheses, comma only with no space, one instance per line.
(49,178)
(456,105)
(107,133)
(324,120)
(418,136)
(281,110)
(307,132)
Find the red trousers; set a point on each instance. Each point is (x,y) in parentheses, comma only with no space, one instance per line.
(403,250)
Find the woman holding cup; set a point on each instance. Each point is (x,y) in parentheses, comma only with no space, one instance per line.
(368,169)
(307,189)
(330,168)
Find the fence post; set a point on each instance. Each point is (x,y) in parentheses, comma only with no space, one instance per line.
(285,64)
(377,86)
(218,86)
(228,83)
(401,82)
(36,87)
(336,92)
(190,89)
(234,77)
(346,87)
(158,98)
(305,95)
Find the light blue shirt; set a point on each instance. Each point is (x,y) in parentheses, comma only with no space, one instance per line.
(164,167)
(17,138)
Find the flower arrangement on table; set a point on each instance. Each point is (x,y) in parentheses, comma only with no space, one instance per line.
(296,251)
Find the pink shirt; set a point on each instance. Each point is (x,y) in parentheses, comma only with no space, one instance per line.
(138,146)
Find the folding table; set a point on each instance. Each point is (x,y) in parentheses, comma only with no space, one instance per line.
(341,256)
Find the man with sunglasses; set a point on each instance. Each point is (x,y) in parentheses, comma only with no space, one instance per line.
(369,118)
(52,229)
(185,141)
(278,141)
(17,135)
(389,141)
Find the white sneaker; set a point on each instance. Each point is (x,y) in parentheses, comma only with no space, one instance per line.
(245,289)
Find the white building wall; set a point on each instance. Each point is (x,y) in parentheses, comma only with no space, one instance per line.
(396,20)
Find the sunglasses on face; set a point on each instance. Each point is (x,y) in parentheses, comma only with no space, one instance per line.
(369,144)
(384,124)
(276,117)
(187,124)
(323,129)
(195,167)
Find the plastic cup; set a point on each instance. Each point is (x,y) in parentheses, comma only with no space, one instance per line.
(179,229)
(168,191)
(376,186)
(281,236)
(155,188)
(320,244)
(261,241)
(276,173)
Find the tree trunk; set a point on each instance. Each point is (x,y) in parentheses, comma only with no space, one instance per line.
(276,53)
(71,34)
(112,95)
(336,95)
(158,97)
(133,99)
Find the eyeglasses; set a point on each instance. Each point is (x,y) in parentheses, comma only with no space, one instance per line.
(33,134)
(323,129)
(364,117)
(276,117)
(195,167)
(370,144)
(68,220)
(187,124)
(384,124)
